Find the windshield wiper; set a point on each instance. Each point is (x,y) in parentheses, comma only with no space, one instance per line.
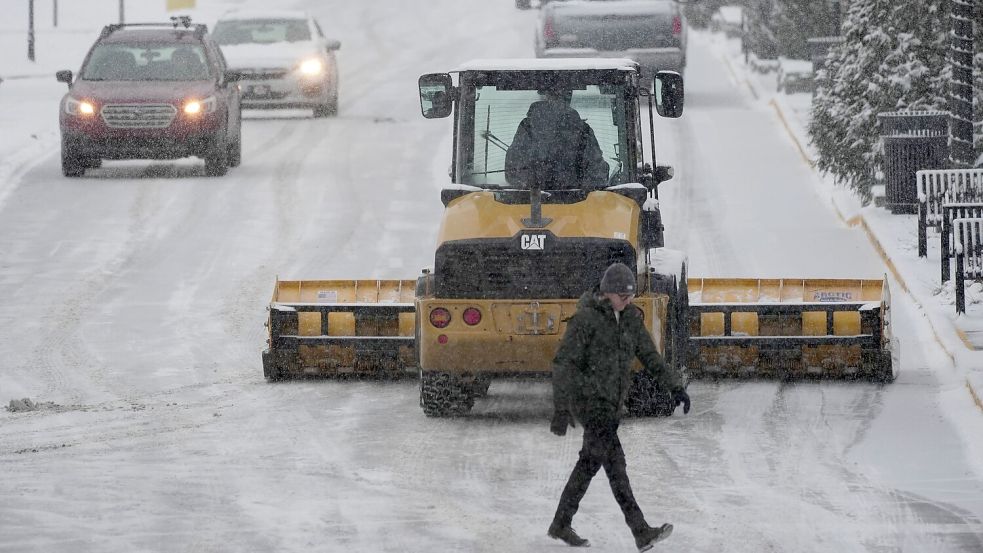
(490,137)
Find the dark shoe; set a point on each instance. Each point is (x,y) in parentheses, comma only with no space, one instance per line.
(567,535)
(649,536)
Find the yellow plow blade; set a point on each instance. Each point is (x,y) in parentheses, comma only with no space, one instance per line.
(340,327)
(789,327)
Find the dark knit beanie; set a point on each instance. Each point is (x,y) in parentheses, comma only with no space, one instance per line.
(618,279)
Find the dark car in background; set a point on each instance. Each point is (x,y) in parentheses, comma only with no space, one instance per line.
(650,32)
(151,91)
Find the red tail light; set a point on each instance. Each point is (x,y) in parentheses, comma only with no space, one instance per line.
(440,317)
(677,25)
(548,33)
(471,316)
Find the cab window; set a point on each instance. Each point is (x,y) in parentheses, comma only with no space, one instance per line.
(498,113)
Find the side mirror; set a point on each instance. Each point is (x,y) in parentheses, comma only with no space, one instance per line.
(332,45)
(663,173)
(64,76)
(436,98)
(669,94)
(232,76)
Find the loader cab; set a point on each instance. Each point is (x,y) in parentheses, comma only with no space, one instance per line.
(492,98)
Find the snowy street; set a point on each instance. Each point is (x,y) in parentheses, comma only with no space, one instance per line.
(135,299)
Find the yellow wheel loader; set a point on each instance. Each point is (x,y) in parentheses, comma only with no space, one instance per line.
(512,259)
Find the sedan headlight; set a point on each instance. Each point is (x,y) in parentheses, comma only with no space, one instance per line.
(199,107)
(311,67)
(79,108)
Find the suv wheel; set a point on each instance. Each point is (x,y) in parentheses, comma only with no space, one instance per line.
(72,165)
(329,108)
(217,157)
(235,148)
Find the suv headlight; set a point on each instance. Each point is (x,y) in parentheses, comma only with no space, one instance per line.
(311,67)
(79,108)
(199,107)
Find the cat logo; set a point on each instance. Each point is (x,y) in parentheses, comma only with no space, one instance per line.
(533,241)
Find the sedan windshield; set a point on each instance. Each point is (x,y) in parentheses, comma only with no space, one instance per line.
(261,31)
(146,62)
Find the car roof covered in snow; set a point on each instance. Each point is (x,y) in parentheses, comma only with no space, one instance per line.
(548,64)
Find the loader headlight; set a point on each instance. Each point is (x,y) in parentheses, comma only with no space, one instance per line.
(311,67)
(80,108)
(440,317)
(198,107)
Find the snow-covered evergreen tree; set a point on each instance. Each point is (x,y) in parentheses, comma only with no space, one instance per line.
(894,57)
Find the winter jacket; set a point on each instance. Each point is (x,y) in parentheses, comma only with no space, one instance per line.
(555,148)
(592,367)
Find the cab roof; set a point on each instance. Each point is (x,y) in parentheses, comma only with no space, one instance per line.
(549,64)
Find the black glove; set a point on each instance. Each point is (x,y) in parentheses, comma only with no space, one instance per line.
(680,396)
(560,422)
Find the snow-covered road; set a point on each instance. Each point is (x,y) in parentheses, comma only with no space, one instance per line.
(135,300)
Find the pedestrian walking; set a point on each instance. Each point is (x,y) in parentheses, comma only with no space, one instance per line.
(591,378)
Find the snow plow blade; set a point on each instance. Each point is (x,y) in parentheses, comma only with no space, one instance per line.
(787,328)
(340,327)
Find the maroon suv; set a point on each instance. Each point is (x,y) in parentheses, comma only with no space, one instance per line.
(149,91)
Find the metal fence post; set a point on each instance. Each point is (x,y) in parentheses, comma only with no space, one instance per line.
(30,30)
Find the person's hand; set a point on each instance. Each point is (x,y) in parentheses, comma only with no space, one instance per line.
(560,422)
(680,396)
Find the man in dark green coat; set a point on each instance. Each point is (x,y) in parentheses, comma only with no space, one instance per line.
(591,378)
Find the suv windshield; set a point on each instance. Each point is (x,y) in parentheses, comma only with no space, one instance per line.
(499,111)
(146,62)
(261,31)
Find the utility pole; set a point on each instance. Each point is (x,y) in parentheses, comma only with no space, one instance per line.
(122,12)
(54,12)
(961,95)
(30,30)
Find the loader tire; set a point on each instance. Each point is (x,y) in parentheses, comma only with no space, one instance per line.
(443,395)
(479,388)
(677,334)
(646,398)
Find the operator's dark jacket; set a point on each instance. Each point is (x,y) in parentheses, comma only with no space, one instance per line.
(556,148)
(592,367)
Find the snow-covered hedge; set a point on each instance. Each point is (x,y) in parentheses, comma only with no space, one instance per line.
(894,57)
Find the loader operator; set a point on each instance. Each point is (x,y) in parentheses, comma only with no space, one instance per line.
(554,148)
(591,377)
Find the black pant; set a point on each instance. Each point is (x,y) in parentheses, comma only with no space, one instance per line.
(601,448)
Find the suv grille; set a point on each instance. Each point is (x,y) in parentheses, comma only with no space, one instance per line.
(263,74)
(498,269)
(138,116)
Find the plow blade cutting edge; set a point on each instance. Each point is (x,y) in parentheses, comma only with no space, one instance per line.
(340,327)
(829,328)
